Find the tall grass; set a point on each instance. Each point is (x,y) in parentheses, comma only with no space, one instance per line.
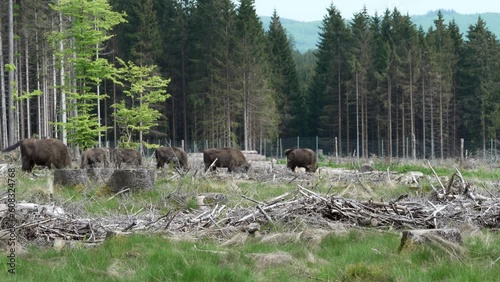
(355,256)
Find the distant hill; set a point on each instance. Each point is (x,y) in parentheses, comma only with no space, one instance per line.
(305,34)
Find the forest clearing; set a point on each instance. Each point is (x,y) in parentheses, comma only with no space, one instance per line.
(270,208)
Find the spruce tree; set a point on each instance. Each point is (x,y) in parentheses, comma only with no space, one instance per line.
(478,85)
(284,78)
(328,96)
(260,117)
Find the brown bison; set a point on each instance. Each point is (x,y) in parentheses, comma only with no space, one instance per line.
(226,157)
(129,156)
(46,152)
(305,158)
(171,155)
(93,156)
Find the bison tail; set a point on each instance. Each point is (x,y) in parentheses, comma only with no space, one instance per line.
(8,149)
(287,151)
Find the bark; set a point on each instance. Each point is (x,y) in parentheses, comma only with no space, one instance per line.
(448,239)
(10,101)
(133,179)
(28,112)
(70,177)
(4,141)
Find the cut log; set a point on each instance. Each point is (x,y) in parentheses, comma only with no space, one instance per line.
(100,175)
(448,239)
(133,179)
(366,168)
(70,177)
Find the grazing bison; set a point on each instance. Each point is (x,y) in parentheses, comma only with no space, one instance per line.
(171,155)
(305,158)
(93,156)
(130,156)
(46,152)
(226,157)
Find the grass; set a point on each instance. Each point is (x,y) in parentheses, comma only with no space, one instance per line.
(358,255)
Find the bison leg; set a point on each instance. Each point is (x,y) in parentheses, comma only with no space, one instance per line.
(27,164)
(160,164)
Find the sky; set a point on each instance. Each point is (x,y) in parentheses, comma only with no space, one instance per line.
(315,10)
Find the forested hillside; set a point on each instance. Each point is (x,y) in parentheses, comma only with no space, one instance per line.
(305,35)
(210,74)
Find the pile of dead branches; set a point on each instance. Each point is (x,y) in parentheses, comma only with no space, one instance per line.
(318,210)
(456,201)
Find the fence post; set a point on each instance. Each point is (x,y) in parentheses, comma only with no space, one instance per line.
(461,150)
(336,150)
(491,151)
(383,155)
(407,147)
(317,157)
(281,149)
(298,143)
(265,145)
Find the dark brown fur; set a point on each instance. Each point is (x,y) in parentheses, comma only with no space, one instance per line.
(305,158)
(46,152)
(93,156)
(231,158)
(171,155)
(130,156)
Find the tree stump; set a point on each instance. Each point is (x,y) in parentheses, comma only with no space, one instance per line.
(100,175)
(447,239)
(366,168)
(133,179)
(70,177)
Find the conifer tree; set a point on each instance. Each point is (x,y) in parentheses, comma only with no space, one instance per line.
(478,85)
(328,96)
(260,118)
(284,78)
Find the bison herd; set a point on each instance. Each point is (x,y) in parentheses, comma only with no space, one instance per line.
(54,153)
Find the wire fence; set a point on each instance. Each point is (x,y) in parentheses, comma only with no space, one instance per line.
(336,148)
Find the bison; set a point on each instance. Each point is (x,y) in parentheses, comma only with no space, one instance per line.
(171,155)
(47,152)
(305,158)
(122,155)
(95,155)
(226,157)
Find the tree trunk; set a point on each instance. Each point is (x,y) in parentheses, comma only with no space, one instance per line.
(54,94)
(357,117)
(340,114)
(38,86)
(441,121)
(64,116)
(389,118)
(27,68)
(423,116)
(70,177)
(134,179)
(11,72)
(245,112)
(20,126)
(431,106)
(4,141)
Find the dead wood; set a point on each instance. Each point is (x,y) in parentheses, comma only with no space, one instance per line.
(70,177)
(447,206)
